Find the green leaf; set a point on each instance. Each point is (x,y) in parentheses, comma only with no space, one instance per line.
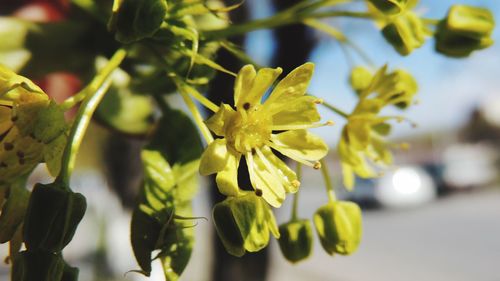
(135,20)
(176,138)
(161,220)
(127,112)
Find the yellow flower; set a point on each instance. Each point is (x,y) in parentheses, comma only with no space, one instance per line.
(31,127)
(362,144)
(253,129)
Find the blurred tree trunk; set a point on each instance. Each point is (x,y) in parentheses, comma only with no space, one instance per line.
(294,44)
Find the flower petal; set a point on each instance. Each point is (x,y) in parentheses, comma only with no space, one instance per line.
(217,122)
(271,221)
(348,176)
(263,80)
(300,111)
(300,145)
(214,158)
(244,81)
(227,179)
(292,86)
(288,176)
(262,179)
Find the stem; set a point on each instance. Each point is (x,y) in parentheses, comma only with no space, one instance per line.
(295,206)
(198,119)
(202,99)
(335,109)
(96,82)
(328,181)
(96,90)
(286,17)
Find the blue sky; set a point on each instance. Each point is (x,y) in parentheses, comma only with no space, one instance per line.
(449,88)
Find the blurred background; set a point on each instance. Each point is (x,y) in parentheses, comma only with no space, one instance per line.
(434,216)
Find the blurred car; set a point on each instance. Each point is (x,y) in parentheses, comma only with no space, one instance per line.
(404,186)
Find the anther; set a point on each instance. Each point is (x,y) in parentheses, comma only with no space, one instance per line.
(296,183)
(246,106)
(8,146)
(318,101)
(317,165)
(258,192)
(329,123)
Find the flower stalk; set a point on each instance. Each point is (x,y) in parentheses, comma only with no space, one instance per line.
(93,95)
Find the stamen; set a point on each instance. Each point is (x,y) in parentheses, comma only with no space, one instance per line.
(296,183)
(258,192)
(317,165)
(318,101)
(300,127)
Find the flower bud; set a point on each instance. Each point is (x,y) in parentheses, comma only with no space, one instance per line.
(470,21)
(390,7)
(338,225)
(465,29)
(360,79)
(52,217)
(37,266)
(296,240)
(405,33)
(243,223)
(399,88)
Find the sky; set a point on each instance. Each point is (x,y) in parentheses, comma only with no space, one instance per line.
(449,88)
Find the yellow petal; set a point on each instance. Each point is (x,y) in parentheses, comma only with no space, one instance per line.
(218,121)
(214,158)
(227,179)
(263,80)
(348,176)
(271,221)
(300,145)
(300,111)
(262,179)
(292,86)
(288,176)
(244,82)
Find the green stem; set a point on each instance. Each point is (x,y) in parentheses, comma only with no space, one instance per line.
(95,92)
(328,181)
(198,119)
(335,109)
(295,206)
(286,17)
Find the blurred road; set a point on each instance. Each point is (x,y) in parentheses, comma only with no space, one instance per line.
(454,238)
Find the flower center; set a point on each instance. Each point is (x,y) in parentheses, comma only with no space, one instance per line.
(246,131)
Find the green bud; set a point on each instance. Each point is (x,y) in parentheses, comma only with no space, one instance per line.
(296,240)
(338,225)
(390,7)
(135,20)
(360,79)
(465,29)
(398,88)
(470,21)
(52,217)
(405,33)
(243,223)
(38,266)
